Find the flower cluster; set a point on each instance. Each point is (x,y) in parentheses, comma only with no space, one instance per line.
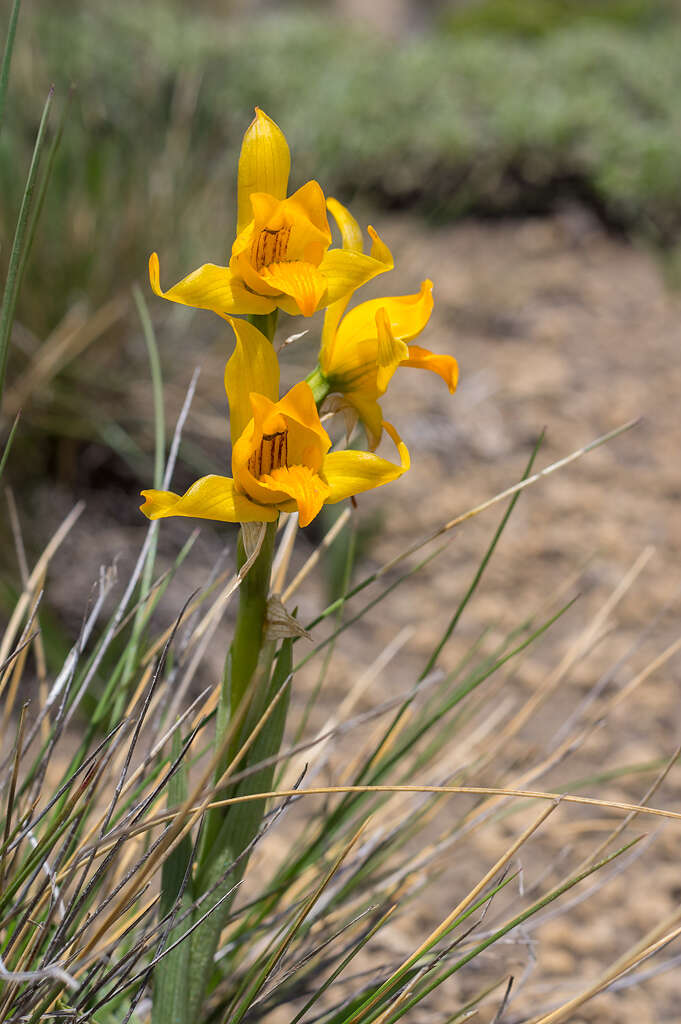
(282,259)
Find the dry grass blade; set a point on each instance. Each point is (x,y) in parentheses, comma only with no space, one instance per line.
(655,940)
(456,913)
(34,580)
(510,491)
(67,342)
(328,540)
(11,793)
(270,964)
(529,794)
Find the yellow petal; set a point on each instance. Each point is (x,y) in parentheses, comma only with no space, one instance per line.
(253,366)
(211,497)
(346,270)
(391,352)
(379,250)
(301,281)
(303,486)
(264,165)
(370,413)
(308,201)
(407,316)
(445,366)
(299,407)
(211,287)
(351,233)
(306,440)
(351,472)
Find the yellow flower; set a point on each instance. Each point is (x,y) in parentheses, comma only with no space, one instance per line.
(280,450)
(361,351)
(281,255)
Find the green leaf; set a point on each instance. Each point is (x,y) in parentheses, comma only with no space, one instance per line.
(171,991)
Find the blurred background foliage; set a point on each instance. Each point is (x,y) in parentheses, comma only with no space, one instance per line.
(448,109)
(490,107)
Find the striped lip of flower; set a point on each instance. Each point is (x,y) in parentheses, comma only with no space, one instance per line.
(361,350)
(280,451)
(281,256)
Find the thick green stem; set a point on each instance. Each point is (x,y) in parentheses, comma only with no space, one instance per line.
(248,687)
(265,322)
(319,385)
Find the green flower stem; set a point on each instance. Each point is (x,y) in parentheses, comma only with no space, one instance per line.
(249,686)
(319,385)
(242,657)
(265,322)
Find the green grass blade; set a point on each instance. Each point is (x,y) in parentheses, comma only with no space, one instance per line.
(7,56)
(42,188)
(156,384)
(539,904)
(8,444)
(454,621)
(17,257)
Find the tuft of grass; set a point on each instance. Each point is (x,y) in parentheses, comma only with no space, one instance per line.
(318,927)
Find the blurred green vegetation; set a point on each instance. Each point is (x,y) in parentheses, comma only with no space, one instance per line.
(449,123)
(540,17)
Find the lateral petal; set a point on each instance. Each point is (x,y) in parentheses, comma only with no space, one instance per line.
(253,366)
(211,287)
(370,413)
(211,497)
(352,472)
(264,164)
(407,316)
(444,366)
(346,270)
(391,351)
(351,234)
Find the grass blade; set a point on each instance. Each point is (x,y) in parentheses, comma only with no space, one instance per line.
(7,56)
(17,258)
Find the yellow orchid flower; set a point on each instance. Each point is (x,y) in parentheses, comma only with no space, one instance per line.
(280,451)
(361,350)
(281,256)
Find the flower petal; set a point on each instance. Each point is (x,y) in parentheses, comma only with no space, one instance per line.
(346,270)
(351,233)
(370,413)
(306,440)
(253,366)
(391,351)
(298,405)
(211,497)
(308,201)
(352,472)
(303,486)
(264,165)
(407,315)
(211,287)
(301,281)
(445,366)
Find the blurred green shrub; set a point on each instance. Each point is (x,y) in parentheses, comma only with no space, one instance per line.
(534,18)
(447,125)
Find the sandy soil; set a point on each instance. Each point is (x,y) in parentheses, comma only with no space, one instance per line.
(556,326)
